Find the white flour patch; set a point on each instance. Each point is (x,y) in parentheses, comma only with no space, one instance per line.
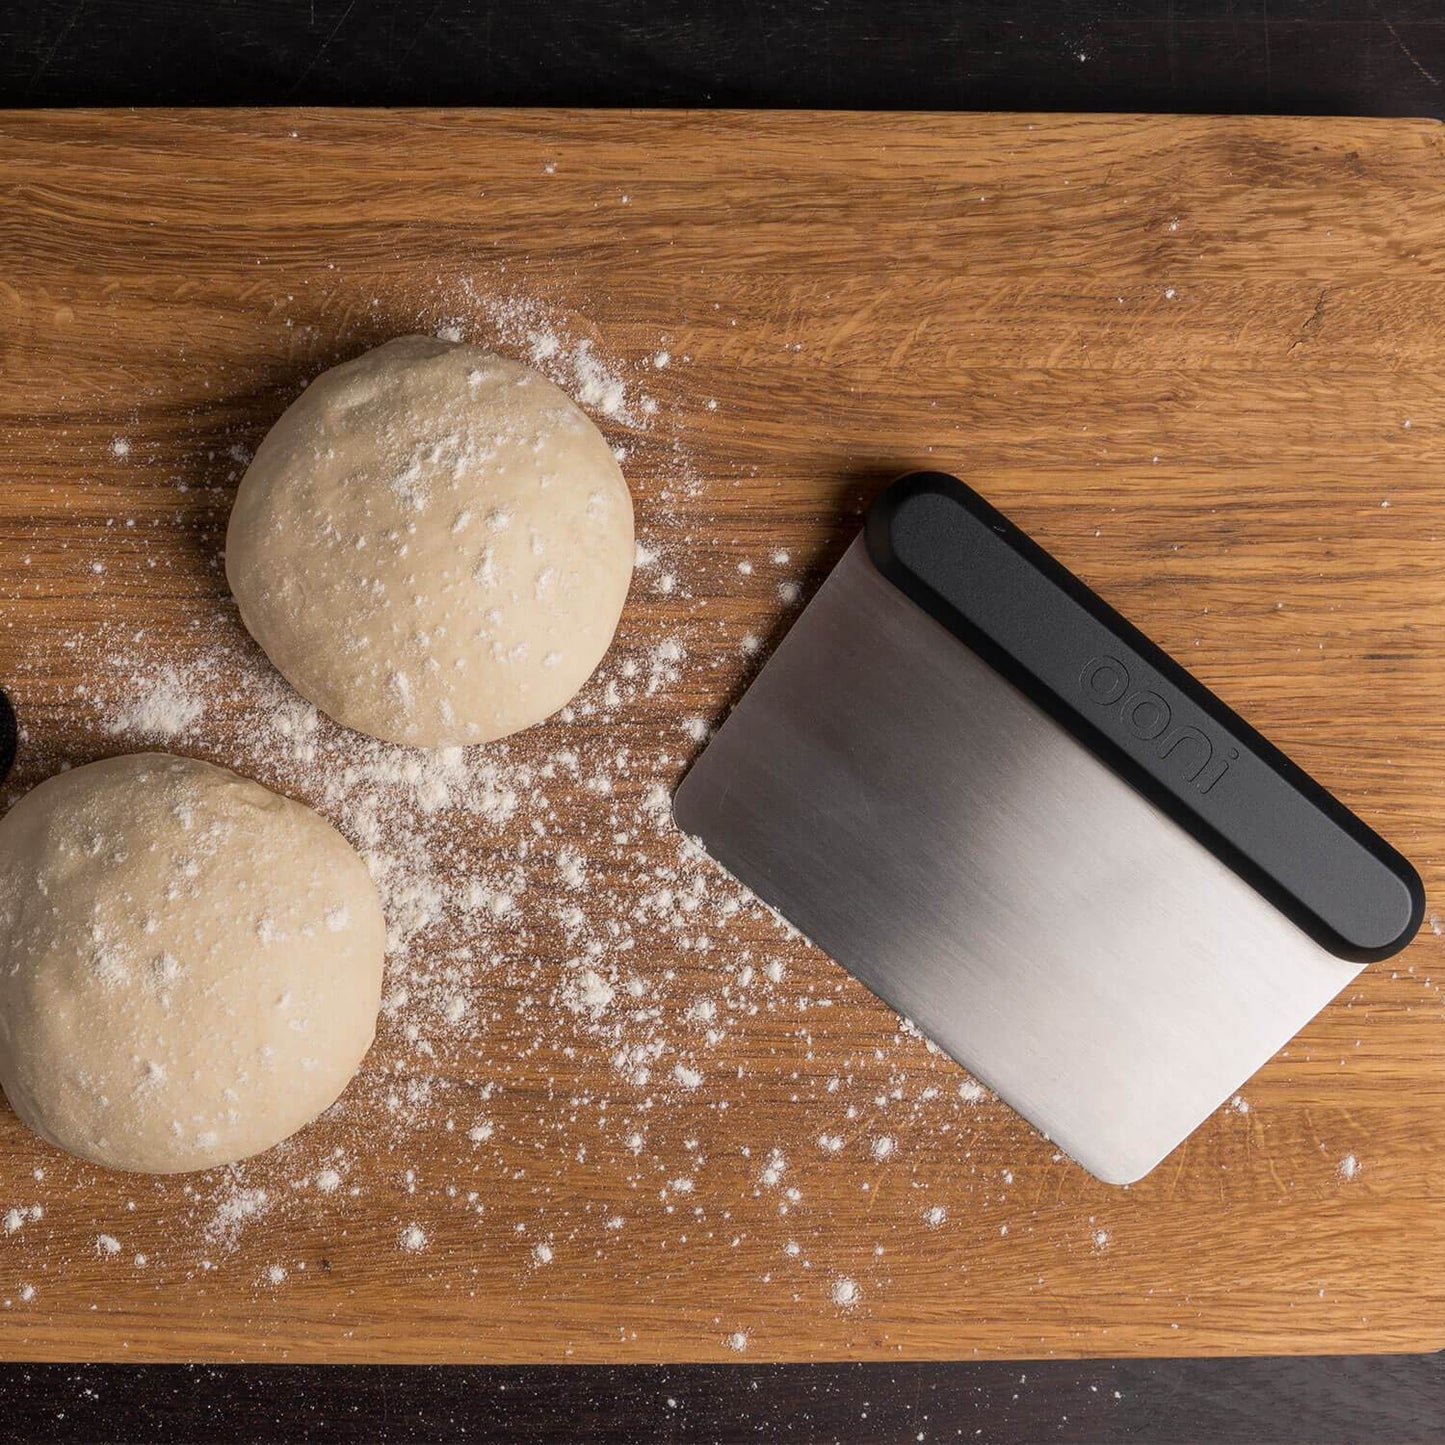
(524,325)
(165,706)
(587,992)
(238,1206)
(16,1218)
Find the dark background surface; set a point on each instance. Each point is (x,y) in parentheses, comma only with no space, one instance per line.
(1281,56)
(1233,1402)
(1384,57)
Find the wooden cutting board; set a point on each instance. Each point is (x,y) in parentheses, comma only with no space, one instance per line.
(1202,360)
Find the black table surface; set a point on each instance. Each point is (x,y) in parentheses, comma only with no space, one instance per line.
(1379,57)
(1311,57)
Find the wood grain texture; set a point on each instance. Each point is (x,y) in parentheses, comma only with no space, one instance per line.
(1200,360)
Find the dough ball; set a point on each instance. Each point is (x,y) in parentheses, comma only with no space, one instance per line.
(433,544)
(190,964)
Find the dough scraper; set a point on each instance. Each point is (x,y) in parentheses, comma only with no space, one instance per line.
(1024,826)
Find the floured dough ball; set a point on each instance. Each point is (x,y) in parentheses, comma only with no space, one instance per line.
(190,964)
(433,544)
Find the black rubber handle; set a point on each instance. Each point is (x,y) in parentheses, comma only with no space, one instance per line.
(1136,708)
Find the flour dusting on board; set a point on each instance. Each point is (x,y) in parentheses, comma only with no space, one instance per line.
(527,328)
(165,705)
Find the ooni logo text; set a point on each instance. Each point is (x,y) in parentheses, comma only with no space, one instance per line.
(1146,716)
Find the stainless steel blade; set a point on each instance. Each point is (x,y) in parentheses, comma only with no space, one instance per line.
(961,854)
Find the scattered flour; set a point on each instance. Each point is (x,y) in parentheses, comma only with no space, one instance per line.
(523,324)
(165,706)
(542,911)
(237,1207)
(16,1218)
(587,992)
